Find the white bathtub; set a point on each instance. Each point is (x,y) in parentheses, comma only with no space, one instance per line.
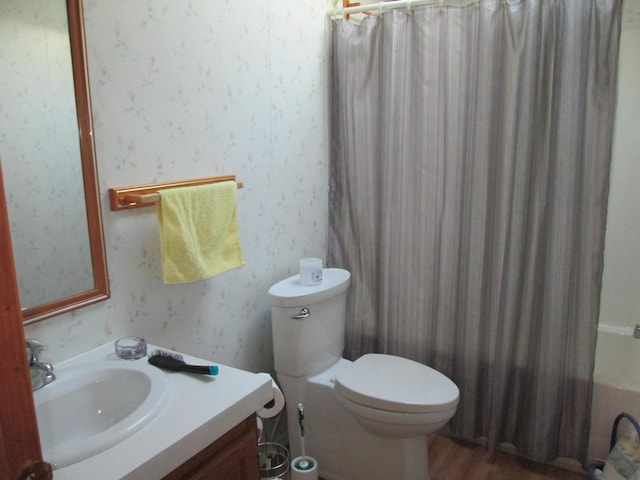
(616,385)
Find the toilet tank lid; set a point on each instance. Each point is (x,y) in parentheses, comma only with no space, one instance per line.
(291,293)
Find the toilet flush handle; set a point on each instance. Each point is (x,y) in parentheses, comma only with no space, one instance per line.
(304,313)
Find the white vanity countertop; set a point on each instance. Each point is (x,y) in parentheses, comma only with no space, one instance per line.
(200,409)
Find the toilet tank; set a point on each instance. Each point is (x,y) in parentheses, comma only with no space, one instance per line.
(306,342)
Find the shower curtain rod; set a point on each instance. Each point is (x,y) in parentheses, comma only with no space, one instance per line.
(381,7)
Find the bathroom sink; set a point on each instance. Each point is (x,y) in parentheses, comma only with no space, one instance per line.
(92,407)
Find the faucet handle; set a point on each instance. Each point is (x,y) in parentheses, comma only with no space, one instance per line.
(34,347)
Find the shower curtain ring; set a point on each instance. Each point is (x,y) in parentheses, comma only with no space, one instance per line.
(441,6)
(330,19)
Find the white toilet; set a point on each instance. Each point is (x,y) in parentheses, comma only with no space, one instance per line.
(364,420)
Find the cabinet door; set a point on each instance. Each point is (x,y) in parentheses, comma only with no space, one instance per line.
(19,441)
(234,456)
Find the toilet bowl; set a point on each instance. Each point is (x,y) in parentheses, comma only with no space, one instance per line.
(364,420)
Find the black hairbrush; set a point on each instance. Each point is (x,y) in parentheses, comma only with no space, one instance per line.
(175,362)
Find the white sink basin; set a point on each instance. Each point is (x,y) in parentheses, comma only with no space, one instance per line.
(92,407)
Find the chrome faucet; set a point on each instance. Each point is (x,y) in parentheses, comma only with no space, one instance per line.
(41,373)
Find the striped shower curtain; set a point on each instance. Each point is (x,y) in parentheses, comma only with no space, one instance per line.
(471,149)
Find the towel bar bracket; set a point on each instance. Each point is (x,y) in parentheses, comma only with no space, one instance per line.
(138,196)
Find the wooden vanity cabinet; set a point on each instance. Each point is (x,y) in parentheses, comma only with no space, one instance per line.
(234,456)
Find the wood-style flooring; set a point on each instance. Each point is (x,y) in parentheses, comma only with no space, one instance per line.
(454,460)
(451,459)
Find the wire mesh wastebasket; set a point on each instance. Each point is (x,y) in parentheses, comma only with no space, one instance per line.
(273,459)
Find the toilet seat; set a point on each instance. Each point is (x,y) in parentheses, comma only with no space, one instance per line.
(396,384)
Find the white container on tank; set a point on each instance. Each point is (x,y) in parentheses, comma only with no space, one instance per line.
(311,271)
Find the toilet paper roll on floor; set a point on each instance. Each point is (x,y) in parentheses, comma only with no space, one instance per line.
(274,407)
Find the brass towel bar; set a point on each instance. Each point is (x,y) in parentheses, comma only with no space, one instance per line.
(125,198)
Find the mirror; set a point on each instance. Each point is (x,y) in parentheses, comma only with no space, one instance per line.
(48,158)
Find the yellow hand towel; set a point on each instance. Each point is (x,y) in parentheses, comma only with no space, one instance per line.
(199,232)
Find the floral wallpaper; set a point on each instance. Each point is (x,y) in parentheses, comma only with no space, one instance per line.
(182,89)
(198,88)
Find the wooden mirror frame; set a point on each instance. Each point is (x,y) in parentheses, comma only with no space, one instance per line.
(100,290)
